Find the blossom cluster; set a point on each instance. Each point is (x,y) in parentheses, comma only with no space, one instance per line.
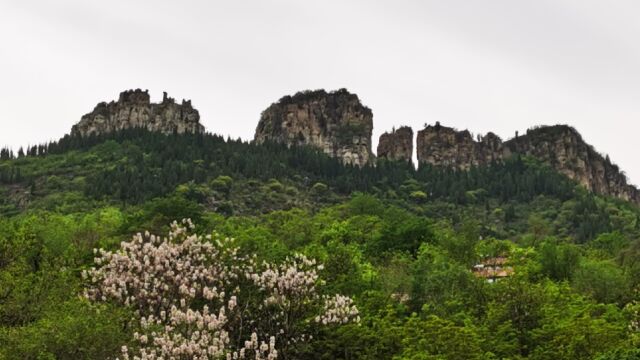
(338,309)
(295,278)
(152,274)
(633,312)
(194,297)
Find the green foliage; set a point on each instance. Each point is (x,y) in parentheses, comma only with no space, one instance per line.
(559,261)
(418,196)
(436,338)
(603,281)
(610,244)
(621,354)
(439,284)
(73,330)
(402,242)
(222,184)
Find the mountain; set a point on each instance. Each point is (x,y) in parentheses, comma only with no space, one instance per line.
(489,249)
(135,110)
(341,126)
(335,122)
(560,146)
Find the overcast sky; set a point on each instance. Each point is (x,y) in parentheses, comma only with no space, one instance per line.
(493,65)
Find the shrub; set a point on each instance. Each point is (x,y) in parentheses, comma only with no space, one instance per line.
(418,196)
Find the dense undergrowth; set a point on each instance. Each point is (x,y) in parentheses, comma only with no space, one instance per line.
(401,242)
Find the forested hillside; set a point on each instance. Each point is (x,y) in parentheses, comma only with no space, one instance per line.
(320,261)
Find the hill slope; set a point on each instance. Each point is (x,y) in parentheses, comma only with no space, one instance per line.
(508,260)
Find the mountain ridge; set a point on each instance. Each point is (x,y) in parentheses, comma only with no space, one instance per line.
(560,146)
(135,109)
(338,124)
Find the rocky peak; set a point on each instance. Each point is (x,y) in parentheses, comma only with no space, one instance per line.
(560,146)
(135,110)
(563,148)
(444,146)
(335,122)
(396,145)
(134,97)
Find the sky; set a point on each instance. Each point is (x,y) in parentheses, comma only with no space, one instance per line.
(492,65)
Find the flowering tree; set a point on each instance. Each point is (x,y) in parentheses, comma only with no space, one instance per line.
(632,310)
(196,298)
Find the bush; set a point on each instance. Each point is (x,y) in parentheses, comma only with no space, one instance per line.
(75,330)
(418,196)
(221,184)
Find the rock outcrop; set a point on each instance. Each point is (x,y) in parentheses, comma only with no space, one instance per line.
(444,146)
(341,126)
(335,122)
(564,149)
(135,110)
(560,146)
(396,145)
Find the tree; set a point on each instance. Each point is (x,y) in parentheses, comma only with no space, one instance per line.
(436,338)
(602,280)
(559,262)
(515,311)
(538,227)
(418,196)
(199,299)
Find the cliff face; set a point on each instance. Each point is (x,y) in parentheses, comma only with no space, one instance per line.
(335,122)
(396,145)
(444,146)
(135,110)
(563,148)
(560,146)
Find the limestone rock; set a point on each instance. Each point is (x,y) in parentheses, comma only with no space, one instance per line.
(335,122)
(444,146)
(135,110)
(560,146)
(396,145)
(563,148)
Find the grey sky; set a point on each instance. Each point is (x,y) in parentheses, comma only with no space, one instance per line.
(493,65)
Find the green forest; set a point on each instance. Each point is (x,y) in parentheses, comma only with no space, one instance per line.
(120,245)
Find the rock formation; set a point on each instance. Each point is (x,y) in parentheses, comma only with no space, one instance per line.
(560,146)
(335,122)
(339,125)
(135,110)
(444,146)
(564,149)
(396,145)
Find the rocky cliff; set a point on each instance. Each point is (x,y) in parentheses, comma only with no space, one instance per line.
(444,146)
(560,146)
(135,110)
(396,145)
(341,126)
(335,122)
(563,148)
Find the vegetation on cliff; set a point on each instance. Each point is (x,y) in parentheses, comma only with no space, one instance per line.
(401,243)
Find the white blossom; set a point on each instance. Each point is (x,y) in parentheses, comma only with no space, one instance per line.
(185,290)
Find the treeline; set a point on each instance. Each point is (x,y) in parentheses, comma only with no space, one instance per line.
(146,164)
